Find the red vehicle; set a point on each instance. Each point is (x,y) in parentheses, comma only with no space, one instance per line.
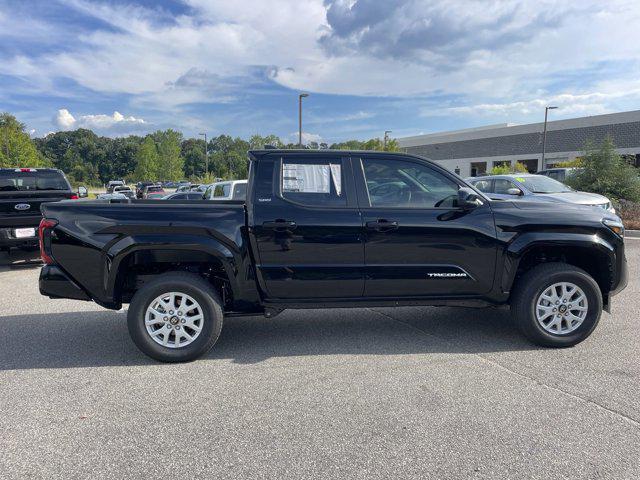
(152,192)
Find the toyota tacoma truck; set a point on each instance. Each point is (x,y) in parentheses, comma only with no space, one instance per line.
(333,229)
(22,191)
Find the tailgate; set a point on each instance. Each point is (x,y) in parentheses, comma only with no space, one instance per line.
(18,204)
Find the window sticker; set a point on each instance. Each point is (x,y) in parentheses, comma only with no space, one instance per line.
(520,179)
(301,178)
(337,177)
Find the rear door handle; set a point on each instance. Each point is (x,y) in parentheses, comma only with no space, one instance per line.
(280,224)
(382,225)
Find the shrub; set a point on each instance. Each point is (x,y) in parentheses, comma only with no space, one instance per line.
(629,212)
(507,169)
(605,172)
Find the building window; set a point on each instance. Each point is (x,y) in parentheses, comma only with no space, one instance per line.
(478,169)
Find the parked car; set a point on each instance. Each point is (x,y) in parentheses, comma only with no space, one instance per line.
(112,184)
(183,196)
(126,191)
(559,174)
(528,186)
(112,196)
(314,235)
(22,191)
(140,186)
(230,190)
(152,192)
(183,187)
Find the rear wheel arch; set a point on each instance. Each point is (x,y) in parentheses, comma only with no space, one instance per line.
(141,265)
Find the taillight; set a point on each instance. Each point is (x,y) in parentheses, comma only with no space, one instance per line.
(46,225)
(73,197)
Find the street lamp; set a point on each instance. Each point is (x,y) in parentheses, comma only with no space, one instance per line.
(206,153)
(386,138)
(300,97)
(544,133)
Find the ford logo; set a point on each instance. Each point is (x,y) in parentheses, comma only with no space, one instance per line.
(22,206)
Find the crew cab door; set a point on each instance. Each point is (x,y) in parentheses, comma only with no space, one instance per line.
(418,243)
(306,227)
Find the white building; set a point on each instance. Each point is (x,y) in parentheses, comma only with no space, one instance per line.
(473,151)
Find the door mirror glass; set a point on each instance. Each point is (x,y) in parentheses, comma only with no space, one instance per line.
(468,199)
(514,191)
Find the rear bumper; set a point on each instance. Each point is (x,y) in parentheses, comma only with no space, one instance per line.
(9,224)
(54,283)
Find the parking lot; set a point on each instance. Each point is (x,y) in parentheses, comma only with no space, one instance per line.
(366,393)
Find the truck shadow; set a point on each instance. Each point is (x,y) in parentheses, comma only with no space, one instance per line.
(100,338)
(20,259)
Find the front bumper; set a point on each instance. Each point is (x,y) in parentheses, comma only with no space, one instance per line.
(54,283)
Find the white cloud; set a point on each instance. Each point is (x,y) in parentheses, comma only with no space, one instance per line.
(116,123)
(502,58)
(306,138)
(64,120)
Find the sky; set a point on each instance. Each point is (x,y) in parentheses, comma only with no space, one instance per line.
(124,67)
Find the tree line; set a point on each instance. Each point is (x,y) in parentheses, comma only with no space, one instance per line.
(90,159)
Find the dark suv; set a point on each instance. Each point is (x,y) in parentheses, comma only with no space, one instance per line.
(22,191)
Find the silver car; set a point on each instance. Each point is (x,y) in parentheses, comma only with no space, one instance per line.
(526,186)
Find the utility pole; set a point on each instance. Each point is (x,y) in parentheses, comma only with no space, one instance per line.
(544,134)
(206,153)
(386,138)
(300,97)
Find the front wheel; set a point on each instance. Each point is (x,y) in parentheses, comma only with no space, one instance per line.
(557,305)
(175,318)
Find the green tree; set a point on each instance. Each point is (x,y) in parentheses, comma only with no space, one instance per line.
(605,172)
(194,160)
(147,161)
(257,142)
(170,161)
(16,147)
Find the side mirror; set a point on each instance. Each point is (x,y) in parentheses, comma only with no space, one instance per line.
(83,192)
(468,199)
(514,191)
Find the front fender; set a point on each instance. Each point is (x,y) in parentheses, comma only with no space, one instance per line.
(524,243)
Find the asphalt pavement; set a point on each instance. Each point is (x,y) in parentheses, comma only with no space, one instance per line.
(364,393)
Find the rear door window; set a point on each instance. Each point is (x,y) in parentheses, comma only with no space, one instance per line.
(240,191)
(313,182)
(502,185)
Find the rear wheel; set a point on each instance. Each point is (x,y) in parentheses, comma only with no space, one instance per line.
(175,318)
(557,305)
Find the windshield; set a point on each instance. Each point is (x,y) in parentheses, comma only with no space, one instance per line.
(542,184)
(11,180)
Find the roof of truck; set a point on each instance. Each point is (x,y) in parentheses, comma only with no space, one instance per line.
(255,154)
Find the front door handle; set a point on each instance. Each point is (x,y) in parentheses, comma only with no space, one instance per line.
(280,224)
(382,225)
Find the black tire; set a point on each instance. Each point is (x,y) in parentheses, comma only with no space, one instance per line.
(531,286)
(183,282)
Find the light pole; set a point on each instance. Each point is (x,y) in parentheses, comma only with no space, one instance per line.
(544,133)
(300,97)
(386,138)
(206,153)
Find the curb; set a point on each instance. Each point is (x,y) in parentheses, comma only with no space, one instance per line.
(632,233)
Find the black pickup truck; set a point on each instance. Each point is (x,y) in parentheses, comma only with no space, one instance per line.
(22,191)
(338,229)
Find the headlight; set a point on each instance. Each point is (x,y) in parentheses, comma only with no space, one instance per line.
(615,226)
